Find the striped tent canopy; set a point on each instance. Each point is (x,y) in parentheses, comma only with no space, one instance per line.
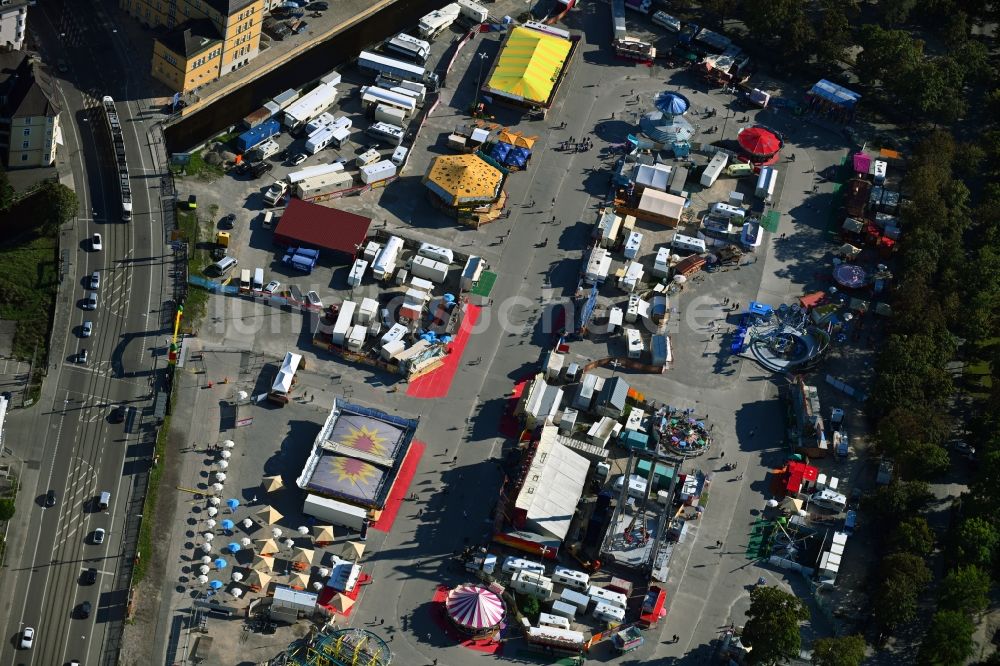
(529,65)
(474,607)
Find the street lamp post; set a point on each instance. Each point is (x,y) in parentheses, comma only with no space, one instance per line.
(482,61)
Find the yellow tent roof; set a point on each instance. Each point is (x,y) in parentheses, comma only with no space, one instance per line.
(459,179)
(516,139)
(529,65)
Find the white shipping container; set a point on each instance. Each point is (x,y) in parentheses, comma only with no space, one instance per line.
(345,318)
(373,173)
(392,349)
(632,245)
(356,338)
(367,311)
(634,341)
(370,156)
(397,332)
(427,268)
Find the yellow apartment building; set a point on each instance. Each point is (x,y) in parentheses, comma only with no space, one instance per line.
(29,118)
(199,41)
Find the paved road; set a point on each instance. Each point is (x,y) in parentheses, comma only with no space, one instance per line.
(67,441)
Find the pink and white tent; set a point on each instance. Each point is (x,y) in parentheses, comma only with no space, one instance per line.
(474,608)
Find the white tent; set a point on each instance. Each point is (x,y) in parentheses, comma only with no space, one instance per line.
(553,486)
(283,382)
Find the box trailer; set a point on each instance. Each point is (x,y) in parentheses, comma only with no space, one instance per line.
(332,512)
(415,88)
(255,118)
(385,263)
(370,156)
(766,182)
(372,96)
(332,78)
(598,266)
(319,170)
(472,271)
(323,138)
(714,169)
(563,609)
(367,311)
(372,173)
(341,135)
(315,102)
(390,114)
(678,181)
(433,24)
(286,99)
(472,11)
(409,47)
(345,319)
(632,245)
(375,64)
(258,135)
(427,268)
(320,185)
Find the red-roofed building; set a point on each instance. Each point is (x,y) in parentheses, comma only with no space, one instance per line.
(799,477)
(323,228)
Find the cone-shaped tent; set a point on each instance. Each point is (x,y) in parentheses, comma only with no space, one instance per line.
(268,515)
(323,534)
(353,550)
(272,483)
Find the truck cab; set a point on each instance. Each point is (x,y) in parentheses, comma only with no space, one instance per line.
(274,193)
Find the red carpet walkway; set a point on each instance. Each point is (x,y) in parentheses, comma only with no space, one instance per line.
(400,487)
(437,383)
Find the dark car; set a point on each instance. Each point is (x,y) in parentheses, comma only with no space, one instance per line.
(118,414)
(317,6)
(260,169)
(217,253)
(50,498)
(89,576)
(84,609)
(228,221)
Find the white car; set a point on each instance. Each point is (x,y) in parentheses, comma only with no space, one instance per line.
(314,299)
(95,280)
(96,243)
(99,535)
(91,302)
(87,329)
(27,638)
(271,287)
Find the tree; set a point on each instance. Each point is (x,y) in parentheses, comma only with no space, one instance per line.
(843,651)
(895,501)
(772,625)
(6,508)
(924,460)
(529,607)
(904,577)
(914,536)
(834,33)
(769,17)
(948,641)
(965,590)
(721,8)
(975,541)
(897,11)
(6,192)
(57,205)
(887,56)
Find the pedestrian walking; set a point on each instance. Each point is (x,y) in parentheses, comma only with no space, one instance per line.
(740,477)
(381,622)
(722,455)
(612,115)
(676,639)
(713,336)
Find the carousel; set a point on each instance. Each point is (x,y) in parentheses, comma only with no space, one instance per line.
(475,611)
(682,434)
(665,124)
(759,145)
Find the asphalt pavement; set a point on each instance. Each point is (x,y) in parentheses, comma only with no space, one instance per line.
(68,441)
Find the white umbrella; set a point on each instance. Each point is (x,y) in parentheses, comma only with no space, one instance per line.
(303,530)
(247,523)
(225,455)
(217,487)
(206,548)
(324,572)
(245,542)
(276,532)
(202,579)
(210,522)
(772,503)
(214,501)
(220,476)
(680,279)
(203,569)
(237,576)
(212,511)
(229,443)
(208,536)
(317,586)
(242,395)
(206,559)
(222,464)
(237,592)
(288,543)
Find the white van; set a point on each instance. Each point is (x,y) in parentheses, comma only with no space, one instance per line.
(665,20)
(223,265)
(258,280)
(687,243)
(104,501)
(571,578)
(829,499)
(514,564)
(728,212)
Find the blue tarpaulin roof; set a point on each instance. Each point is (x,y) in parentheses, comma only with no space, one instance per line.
(505,153)
(836,94)
(762,309)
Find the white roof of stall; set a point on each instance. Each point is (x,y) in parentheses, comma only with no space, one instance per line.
(656,176)
(283,382)
(553,486)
